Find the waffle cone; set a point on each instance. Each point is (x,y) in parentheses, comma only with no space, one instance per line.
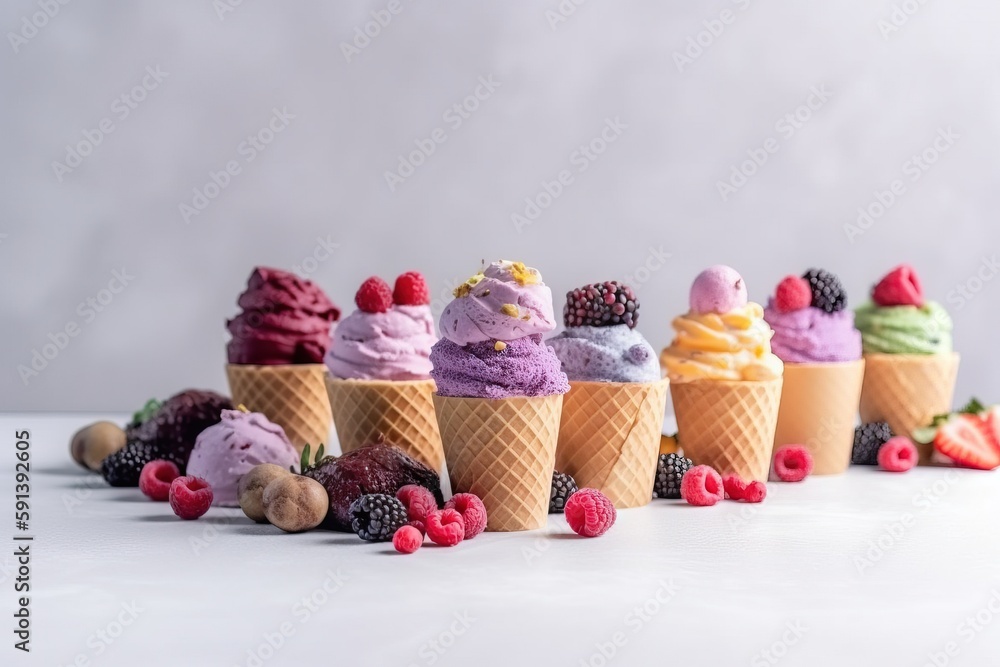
(401,411)
(728,425)
(819,409)
(292,396)
(609,438)
(503,451)
(908,390)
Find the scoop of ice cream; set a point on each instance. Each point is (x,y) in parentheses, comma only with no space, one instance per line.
(394,345)
(606,354)
(718,289)
(731,346)
(905,329)
(228,450)
(813,336)
(285,320)
(496,369)
(506,301)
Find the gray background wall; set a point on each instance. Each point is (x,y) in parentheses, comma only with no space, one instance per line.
(321,180)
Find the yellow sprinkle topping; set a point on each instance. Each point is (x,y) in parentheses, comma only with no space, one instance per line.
(242,408)
(523,275)
(499,346)
(464,289)
(510,310)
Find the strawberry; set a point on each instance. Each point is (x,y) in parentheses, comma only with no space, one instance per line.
(963,439)
(900,288)
(990,422)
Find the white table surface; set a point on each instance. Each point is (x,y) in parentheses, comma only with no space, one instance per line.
(720,585)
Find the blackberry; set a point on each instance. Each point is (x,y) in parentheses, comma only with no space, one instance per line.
(827,291)
(868,439)
(670,470)
(124,466)
(601,305)
(563,486)
(377,516)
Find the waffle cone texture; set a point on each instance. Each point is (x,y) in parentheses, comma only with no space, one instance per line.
(908,390)
(503,451)
(292,396)
(728,425)
(401,411)
(609,438)
(819,409)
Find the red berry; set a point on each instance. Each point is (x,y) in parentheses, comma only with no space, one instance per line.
(900,288)
(793,294)
(590,513)
(734,486)
(755,492)
(418,501)
(155,479)
(963,440)
(473,512)
(190,497)
(445,527)
(899,454)
(374,296)
(407,539)
(793,463)
(702,486)
(419,525)
(411,290)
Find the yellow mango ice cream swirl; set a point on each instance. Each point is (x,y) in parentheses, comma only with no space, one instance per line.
(723,337)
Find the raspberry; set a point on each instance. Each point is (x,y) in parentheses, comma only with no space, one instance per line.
(590,513)
(702,486)
(411,290)
(900,288)
(473,512)
(827,291)
(735,487)
(374,296)
(419,525)
(407,539)
(418,501)
(190,497)
(793,294)
(155,479)
(601,305)
(445,527)
(898,455)
(792,463)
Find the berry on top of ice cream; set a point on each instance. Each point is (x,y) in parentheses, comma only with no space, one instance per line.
(601,305)
(411,290)
(374,296)
(899,320)
(793,294)
(718,289)
(900,288)
(827,292)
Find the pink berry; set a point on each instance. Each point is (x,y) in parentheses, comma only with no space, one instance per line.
(445,527)
(155,479)
(793,463)
(407,539)
(590,513)
(473,512)
(418,501)
(702,486)
(755,492)
(899,454)
(190,497)
(735,487)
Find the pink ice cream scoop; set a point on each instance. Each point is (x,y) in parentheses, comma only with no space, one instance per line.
(718,289)
(394,345)
(811,335)
(228,450)
(506,301)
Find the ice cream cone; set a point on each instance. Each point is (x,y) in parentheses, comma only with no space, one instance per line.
(503,451)
(819,409)
(292,396)
(402,411)
(728,425)
(908,390)
(609,438)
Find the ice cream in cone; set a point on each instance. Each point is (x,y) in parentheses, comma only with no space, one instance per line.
(911,367)
(379,361)
(815,336)
(612,418)
(725,381)
(499,394)
(276,353)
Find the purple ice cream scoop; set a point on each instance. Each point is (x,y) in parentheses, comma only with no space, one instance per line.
(813,336)
(606,354)
(521,367)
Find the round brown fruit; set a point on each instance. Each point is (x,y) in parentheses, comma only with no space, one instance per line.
(250,490)
(94,443)
(295,503)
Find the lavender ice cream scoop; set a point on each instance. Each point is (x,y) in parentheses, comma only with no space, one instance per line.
(811,335)
(606,354)
(521,367)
